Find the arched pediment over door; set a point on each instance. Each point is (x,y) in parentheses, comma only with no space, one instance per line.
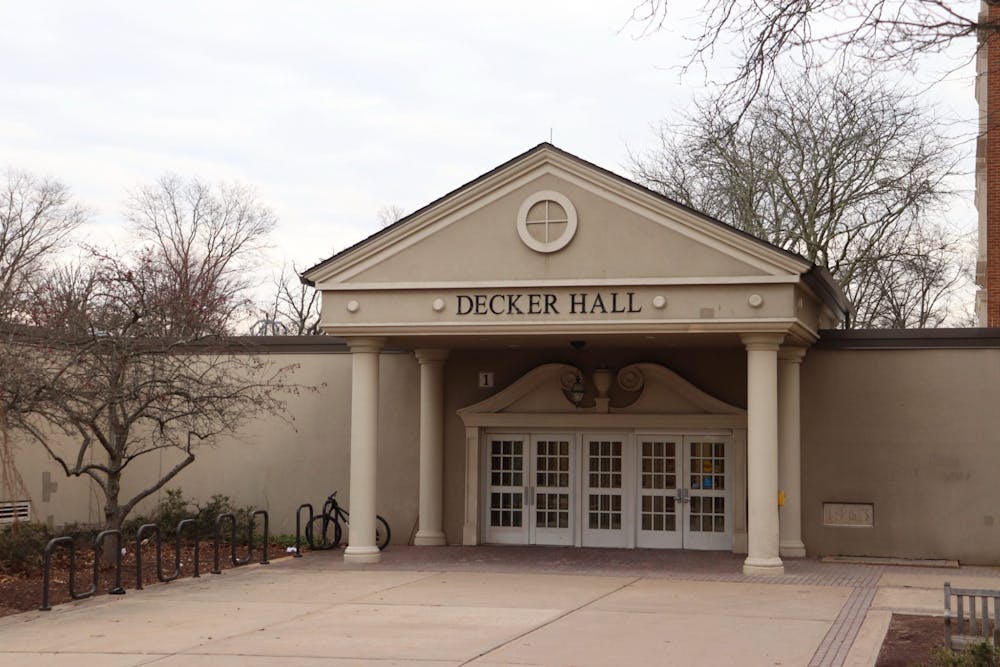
(640,395)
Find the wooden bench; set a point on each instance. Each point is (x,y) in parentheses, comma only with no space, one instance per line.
(973,609)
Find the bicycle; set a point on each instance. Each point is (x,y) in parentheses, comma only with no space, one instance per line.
(327,527)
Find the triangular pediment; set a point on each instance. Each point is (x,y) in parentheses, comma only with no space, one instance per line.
(622,232)
(636,389)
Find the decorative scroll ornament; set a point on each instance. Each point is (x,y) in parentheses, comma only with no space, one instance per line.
(573,387)
(568,378)
(631,378)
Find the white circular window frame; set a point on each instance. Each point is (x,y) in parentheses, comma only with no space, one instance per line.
(564,238)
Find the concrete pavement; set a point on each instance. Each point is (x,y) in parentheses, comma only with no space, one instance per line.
(491,606)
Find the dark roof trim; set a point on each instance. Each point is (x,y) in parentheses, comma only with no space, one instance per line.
(828,291)
(907,339)
(282,345)
(540,147)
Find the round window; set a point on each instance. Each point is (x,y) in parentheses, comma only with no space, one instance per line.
(546,221)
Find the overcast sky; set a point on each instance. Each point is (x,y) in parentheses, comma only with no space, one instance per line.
(335,109)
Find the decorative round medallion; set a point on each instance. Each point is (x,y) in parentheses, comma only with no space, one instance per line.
(659,302)
(546,221)
(353,306)
(755,301)
(438,305)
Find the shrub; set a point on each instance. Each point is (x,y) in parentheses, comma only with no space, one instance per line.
(83,534)
(21,546)
(979,654)
(173,507)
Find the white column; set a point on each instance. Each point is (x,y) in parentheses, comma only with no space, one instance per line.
(431,511)
(762,454)
(364,449)
(470,529)
(790,453)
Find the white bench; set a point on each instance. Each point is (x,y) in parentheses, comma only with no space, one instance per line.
(972,612)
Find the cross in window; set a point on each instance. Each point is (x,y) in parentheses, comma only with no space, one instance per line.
(554,214)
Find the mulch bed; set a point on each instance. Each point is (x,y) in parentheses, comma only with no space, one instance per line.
(911,640)
(23,591)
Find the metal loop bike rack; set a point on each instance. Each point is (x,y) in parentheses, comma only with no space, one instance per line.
(229,516)
(47,567)
(143,529)
(95,580)
(98,543)
(263,546)
(298,527)
(181,525)
(155,530)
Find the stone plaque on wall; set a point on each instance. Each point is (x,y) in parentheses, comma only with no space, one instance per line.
(849,515)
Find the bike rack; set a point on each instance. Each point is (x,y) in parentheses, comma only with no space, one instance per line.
(197,543)
(253,517)
(229,516)
(98,543)
(155,529)
(298,527)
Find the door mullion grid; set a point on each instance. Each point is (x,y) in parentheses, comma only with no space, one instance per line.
(553,475)
(709,520)
(505,510)
(659,485)
(700,475)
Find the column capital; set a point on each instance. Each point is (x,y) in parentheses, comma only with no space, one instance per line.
(431,355)
(366,344)
(762,341)
(793,353)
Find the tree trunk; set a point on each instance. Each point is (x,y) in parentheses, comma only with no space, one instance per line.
(113,519)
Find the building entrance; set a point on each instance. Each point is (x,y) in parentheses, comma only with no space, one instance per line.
(625,489)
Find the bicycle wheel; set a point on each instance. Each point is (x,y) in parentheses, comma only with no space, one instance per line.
(381,533)
(323,533)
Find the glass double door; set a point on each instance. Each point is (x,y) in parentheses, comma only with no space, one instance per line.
(683,492)
(530,489)
(609,490)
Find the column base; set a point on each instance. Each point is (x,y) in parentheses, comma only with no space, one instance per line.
(792,549)
(362,555)
(767,566)
(429,538)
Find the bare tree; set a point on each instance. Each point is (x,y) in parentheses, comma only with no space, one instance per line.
(765,33)
(97,388)
(293,308)
(205,240)
(126,354)
(920,284)
(839,169)
(37,215)
(389,214)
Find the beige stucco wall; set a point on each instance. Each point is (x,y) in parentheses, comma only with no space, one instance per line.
(916,433)
(273,465)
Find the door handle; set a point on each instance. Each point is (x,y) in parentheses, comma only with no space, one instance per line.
(683,495)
